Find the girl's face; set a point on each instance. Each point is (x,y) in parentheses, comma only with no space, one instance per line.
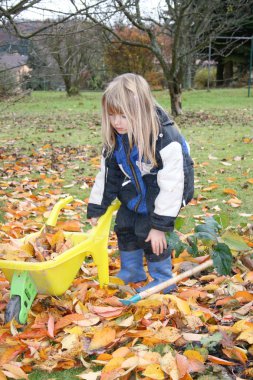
(119,123)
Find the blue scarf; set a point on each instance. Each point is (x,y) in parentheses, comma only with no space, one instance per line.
(127,159)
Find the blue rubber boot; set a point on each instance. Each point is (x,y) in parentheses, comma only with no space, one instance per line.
(160,271)
(131,266)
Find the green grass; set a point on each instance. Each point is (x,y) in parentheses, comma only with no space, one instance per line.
(215,100)
(56,375)
(214,123)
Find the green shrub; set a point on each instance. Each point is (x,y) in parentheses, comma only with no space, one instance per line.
(201,78)
(8,82)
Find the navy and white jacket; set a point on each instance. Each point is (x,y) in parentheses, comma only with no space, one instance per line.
(156,191)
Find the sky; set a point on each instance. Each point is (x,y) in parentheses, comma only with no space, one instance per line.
(65,6)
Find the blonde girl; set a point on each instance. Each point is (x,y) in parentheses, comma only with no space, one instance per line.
(143,165)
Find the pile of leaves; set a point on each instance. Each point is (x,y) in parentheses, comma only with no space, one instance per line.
(204,329)
(47,245)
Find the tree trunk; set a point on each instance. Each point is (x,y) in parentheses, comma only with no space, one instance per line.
(219,74)
(175,97)
(228,73)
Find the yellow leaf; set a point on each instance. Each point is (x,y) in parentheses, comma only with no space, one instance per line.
(74,330)
(247,336)
(102,338)
(116,280)
(169,366)
(154,372)
(121,352)
(112,370)
(241,325)
(182,305)
(168,334)
(193,354)
(150,303)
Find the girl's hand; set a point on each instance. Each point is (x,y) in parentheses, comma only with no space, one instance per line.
(158,241)
(93,221)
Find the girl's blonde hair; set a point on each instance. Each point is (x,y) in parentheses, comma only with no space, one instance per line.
(130,95)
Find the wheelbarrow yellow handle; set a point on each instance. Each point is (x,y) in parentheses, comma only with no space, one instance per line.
(52,220)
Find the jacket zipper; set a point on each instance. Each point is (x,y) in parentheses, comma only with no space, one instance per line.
(134,174)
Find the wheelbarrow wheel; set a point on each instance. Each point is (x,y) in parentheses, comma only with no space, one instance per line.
(13,309)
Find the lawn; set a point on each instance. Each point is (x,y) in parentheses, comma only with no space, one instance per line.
(217,124)
(50,145)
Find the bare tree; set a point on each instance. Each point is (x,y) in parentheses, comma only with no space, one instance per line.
(189,23)
(12,11)
(75,47)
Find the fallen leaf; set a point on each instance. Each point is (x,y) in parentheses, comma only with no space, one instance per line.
(154,371)
(220,361)
(169,366)
(15,371)
(89,375)
(230,191)
(106,311)
(236,353)
(247,336)
(193,354)
(102,338)
(67,320)
(168,334)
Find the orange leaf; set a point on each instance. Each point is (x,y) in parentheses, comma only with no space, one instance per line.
(211,187)
(250,180)
(33,334)
(69,225)
(67,320)
(224,300)
(249,277)
(104,357)
(231,179)
(11,353)
(236,353)
(139,333)
(193,293)
(243,296)
(187,376)
(216,360)
(102,338)
(2,376)
(229,191)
